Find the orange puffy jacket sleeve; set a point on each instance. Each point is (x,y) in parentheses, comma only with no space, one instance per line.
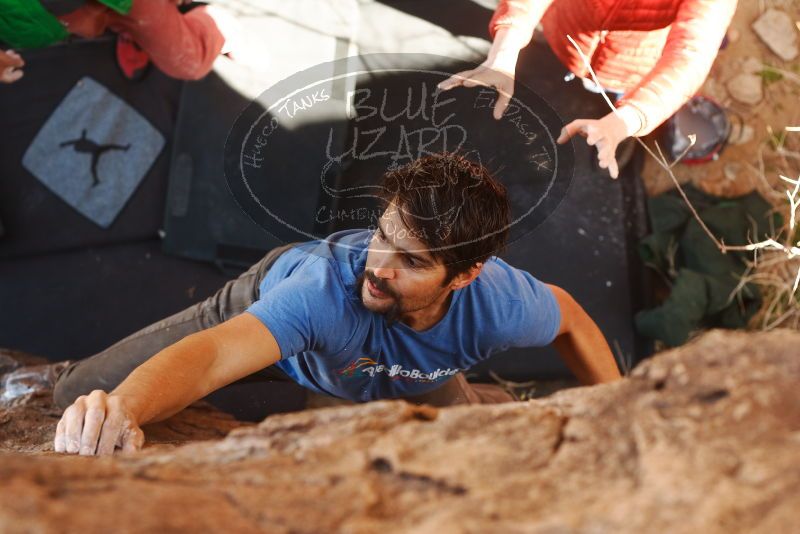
(692,45)
(695,32)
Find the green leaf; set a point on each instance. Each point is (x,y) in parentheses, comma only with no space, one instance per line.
(770,75)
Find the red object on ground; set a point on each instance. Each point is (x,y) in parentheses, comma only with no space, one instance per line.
(183,46)
(657,52)
(707,121)
(132,60)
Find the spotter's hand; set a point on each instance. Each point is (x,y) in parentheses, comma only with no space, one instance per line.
(96,424)
(487,75)
(10,66)
(605,134)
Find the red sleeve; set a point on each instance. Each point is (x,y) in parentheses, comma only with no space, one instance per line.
(523,15)
(89,21)
(692,45)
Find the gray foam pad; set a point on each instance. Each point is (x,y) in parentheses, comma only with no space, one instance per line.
(93,151)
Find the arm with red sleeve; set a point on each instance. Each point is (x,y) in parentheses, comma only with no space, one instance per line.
(511,29)
(520,17)
(692,45)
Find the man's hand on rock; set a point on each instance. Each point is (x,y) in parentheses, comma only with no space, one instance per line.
(10,66)
(96,424)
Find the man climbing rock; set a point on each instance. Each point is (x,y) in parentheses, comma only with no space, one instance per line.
(395,312)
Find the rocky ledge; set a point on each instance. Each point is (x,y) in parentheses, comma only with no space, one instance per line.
(705,438)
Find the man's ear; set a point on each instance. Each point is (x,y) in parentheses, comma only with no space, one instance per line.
(464,279)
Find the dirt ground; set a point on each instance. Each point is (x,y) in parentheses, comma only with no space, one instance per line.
(754,164)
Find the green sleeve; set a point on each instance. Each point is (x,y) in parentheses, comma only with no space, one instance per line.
(120,6)
(26,24)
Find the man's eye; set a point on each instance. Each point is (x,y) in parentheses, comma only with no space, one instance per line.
(411,262)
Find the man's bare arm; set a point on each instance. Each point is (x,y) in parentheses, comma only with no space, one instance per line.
(581,343)
(165,384)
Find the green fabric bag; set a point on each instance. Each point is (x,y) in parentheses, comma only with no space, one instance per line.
(674,320)
(27,24)
(703,278)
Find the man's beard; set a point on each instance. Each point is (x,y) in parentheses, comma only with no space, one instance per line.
(393,313)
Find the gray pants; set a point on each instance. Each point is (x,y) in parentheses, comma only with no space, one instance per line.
(108,368)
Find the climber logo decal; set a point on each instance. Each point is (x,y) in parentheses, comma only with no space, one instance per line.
(94,151)
(371,368)
(356,366)
(86,146)
(337,128)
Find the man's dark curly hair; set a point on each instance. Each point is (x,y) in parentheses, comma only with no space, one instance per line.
(452,204)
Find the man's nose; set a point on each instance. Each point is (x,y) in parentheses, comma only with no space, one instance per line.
(384,272)
(383,267)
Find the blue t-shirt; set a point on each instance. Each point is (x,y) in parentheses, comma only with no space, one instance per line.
(332,344)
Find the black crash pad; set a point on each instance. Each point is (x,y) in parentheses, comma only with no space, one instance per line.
(73,304)
(36,221)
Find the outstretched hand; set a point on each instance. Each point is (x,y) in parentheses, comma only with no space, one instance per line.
(487,75)
(11,65)
(605,134)
(97,424)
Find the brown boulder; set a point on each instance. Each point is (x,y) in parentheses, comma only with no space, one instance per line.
(704,438)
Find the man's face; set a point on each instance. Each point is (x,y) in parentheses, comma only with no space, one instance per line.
(401,276)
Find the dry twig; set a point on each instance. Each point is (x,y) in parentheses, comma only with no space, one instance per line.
(790,250)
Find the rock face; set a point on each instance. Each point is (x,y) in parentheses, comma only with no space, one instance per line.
(705,438)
